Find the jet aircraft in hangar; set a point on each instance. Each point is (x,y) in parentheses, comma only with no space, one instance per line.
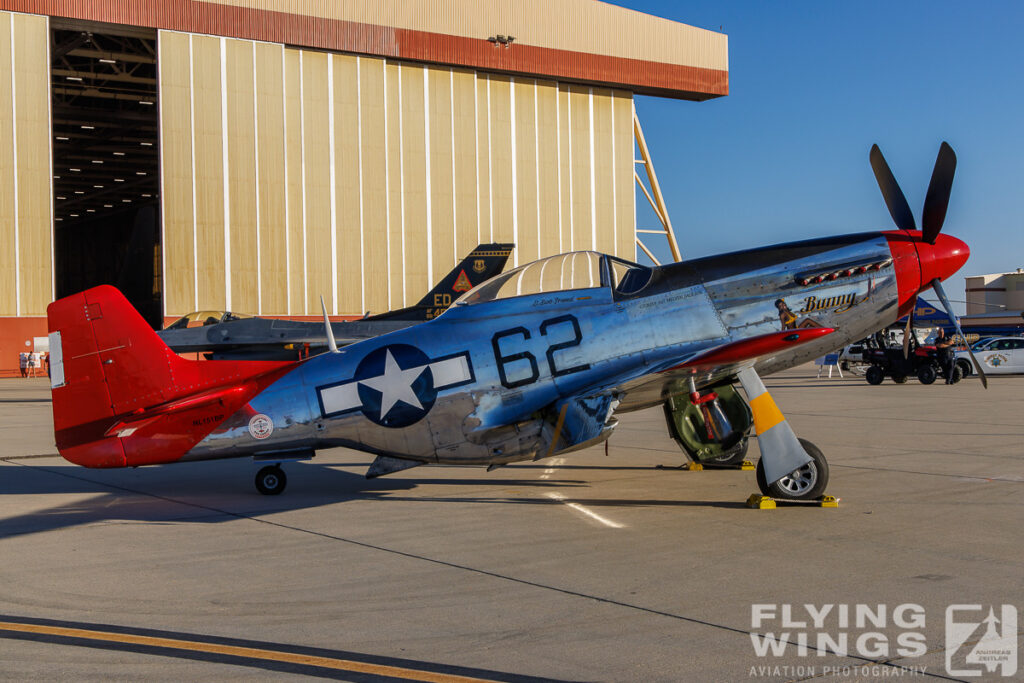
(535,362)
(227,336)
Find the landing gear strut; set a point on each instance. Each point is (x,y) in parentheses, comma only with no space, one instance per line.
(271,480)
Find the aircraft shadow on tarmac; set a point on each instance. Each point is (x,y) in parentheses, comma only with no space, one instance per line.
(210,492)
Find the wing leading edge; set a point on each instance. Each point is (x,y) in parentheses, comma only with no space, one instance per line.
(715,362)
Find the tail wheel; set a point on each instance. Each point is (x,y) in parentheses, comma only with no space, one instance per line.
(926,374)
(271,480)
(805,483)
(874,375)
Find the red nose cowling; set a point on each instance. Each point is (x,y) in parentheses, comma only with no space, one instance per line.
(917,263)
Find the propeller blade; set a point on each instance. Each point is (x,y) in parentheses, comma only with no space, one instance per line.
(937,286)
(907,332)
(937,199)
(891,191)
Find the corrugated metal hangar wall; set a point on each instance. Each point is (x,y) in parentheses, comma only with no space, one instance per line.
(254,155)
(26,257)
(289,174)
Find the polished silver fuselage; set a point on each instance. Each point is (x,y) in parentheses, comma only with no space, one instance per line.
(496,376)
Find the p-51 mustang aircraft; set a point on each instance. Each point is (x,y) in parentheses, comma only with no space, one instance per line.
(535,362)
(255,338)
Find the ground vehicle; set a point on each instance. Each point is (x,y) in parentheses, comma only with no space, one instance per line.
(999,355)
(921,361)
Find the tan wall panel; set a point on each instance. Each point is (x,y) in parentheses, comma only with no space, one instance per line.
(464,112)
(565,183)
(316,162)
(442,245)
(271,192)
(547,163)
(8,268)
(501,163)
(526,171)
(241,133)
(579,120)
(209,171)
(296,244)
(380,173)
(625,190)
(348,201)
(375,199)
(176,174)
(604,171)
(414,179)
(396,263)
(32,94)
(483,150)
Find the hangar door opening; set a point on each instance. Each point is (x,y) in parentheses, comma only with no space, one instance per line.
(106,175)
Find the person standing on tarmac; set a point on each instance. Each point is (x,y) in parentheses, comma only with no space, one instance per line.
(944,353)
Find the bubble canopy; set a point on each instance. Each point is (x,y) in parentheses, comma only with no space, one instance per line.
(564,272)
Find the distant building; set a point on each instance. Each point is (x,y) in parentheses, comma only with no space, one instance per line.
(995,303)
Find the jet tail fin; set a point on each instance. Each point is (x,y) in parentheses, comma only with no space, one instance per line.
(122,397)
(483,263)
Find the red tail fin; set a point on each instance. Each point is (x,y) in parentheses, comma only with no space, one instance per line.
(122,397)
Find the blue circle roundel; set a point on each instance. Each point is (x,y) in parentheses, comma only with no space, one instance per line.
(396,386)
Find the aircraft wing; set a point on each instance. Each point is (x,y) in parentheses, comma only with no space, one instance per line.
(709,365)
(583,420)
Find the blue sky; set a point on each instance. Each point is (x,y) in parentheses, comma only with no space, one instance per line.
(813,85)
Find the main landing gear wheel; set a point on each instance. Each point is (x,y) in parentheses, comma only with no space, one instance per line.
(271,480)
(874,375)
(805,483)
(926,374)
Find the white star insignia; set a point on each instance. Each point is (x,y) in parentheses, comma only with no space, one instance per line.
(395,385)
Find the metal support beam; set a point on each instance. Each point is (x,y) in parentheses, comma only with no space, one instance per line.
(657,200)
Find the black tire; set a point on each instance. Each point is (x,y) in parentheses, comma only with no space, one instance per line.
(874,375)
(965,367)
(271,480)
(808,484)
(957,374)
(899,379)
(926,374)
(733,456)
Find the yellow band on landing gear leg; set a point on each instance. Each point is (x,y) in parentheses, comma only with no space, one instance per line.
(766,413)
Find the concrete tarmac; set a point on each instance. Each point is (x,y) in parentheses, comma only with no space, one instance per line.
(586,567)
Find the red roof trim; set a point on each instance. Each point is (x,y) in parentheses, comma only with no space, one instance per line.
(636,75)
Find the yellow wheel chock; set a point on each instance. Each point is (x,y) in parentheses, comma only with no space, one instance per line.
(758,502)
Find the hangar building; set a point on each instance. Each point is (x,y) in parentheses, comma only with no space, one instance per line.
(253,155)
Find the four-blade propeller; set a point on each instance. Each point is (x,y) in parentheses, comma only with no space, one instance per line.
(932,217)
